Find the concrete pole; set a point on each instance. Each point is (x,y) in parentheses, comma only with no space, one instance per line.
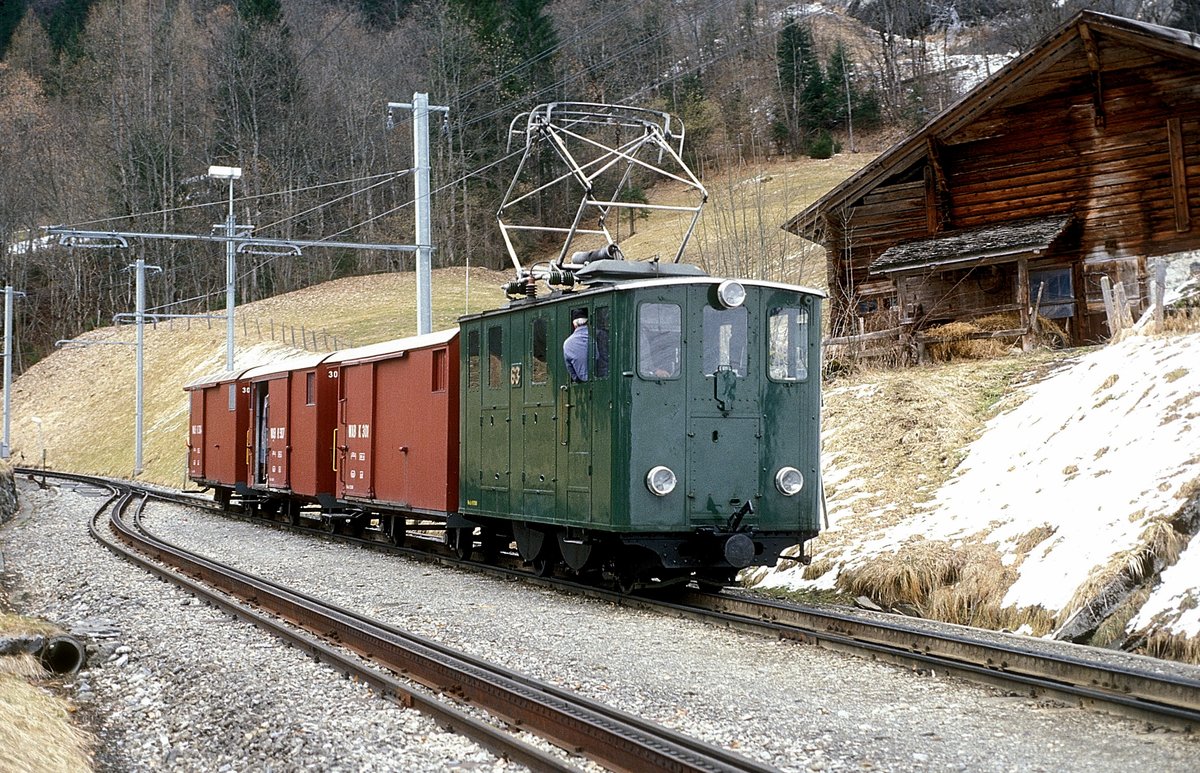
(5,447)
(139,392)
(230,280)
(424,241)
(424,232)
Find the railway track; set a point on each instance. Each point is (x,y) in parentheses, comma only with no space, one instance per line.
(1131,685)
(1137,686)
(615,739)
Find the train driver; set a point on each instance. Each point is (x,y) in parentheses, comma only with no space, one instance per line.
(575,350)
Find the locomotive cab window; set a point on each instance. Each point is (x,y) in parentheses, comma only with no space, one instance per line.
(495,344)
(787,344)
(660,340)
(600,327)
(473,360)
(541,366)
(724,338)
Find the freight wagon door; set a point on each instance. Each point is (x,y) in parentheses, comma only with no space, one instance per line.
(355,430)
(196,435)
(278,442)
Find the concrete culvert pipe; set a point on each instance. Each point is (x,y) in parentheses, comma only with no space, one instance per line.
(62,655)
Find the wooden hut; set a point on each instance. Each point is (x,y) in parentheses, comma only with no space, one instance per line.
(1075,163)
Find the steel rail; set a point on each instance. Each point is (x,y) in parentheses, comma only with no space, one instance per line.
(999,658)
(496,740)
(1011,659)
(614,739)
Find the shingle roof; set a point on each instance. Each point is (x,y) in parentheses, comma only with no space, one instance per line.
(997,243)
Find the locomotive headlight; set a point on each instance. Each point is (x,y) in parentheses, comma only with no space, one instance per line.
(789,481)
(661,481)
(731,294)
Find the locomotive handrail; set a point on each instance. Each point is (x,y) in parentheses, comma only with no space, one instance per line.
(564,426)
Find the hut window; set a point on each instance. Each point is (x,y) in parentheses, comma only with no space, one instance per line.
(787,342)
(1058,293)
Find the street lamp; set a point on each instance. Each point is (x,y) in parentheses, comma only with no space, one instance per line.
(229,173)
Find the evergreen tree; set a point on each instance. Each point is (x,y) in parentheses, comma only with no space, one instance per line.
(801,85)
(66,23)
(11,12)
(533,40)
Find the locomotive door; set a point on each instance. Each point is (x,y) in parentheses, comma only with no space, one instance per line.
(577,416)
(196,435)
(538,429)
(354,449)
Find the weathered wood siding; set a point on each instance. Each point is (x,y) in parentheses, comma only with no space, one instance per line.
(1125,161)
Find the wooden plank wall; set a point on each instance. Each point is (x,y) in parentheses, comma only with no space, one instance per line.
(1130,175)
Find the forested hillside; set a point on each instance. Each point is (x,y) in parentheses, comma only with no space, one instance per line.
(111,112)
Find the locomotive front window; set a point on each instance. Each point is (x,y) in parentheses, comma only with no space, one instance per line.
(541,368)
(787,342)
(473,360)
(724,340)
(495,344)
(660,340)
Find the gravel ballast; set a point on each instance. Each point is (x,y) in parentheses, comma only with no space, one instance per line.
(176,683)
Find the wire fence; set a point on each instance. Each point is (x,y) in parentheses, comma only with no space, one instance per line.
(253,328)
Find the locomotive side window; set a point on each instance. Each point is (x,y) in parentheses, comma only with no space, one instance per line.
(660,340)
(541,367)
(495,343)
(473,360)
(787,342)
(724,340)
(600,329)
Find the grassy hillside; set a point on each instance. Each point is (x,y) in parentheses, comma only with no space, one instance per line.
(84,395)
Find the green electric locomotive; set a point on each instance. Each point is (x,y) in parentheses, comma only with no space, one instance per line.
(686,448)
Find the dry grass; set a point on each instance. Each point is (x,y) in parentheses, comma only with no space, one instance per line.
(961,347)
(36,731)
(84,396)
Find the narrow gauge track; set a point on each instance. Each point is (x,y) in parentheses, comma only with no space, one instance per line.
(612,738)
(1129,685)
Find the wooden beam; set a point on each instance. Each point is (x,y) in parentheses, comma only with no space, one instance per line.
(937,188)
(1093,56)
(1179,187)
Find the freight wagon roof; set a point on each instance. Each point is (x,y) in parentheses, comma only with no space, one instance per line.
(394,347)
(215,379)
(279,367)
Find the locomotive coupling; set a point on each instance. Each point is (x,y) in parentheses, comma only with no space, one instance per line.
(739,550)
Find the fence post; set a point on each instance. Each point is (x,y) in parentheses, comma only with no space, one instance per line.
(1114,321)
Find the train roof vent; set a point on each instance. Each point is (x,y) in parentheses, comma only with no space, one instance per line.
(602,156)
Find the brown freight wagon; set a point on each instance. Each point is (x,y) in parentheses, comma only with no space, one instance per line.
(397,426)
(293,414)
(219,420)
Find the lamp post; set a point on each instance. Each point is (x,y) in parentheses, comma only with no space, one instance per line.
(229,173)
